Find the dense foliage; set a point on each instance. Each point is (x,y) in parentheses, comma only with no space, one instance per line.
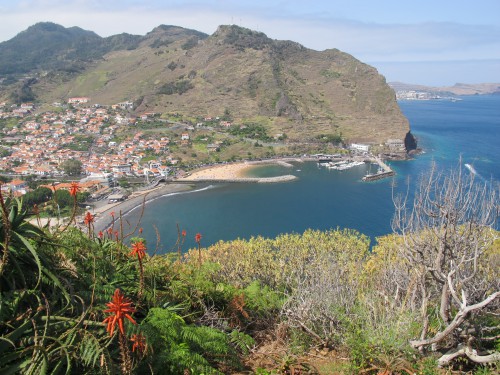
(53,47)
(74,301)
(179,87)
(252,131)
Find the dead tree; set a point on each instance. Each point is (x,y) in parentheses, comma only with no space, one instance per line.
(448,229)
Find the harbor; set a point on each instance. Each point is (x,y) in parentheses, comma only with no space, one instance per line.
(383,171)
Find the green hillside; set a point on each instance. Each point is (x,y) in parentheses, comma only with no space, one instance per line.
(298,90)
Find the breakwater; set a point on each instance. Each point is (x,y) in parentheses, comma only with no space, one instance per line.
(256,180)
(384,172)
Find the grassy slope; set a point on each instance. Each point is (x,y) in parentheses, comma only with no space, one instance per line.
(330,90)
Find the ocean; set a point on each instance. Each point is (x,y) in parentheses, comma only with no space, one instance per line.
(323,199)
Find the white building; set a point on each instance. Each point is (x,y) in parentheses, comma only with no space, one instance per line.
(121,168)
(78,100)
(395,144)
(359,147)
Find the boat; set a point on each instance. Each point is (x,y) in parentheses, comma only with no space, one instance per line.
(343,165)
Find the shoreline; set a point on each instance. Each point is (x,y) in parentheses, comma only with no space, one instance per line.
(226,173)
(103,218)
(222,173)
(237,172)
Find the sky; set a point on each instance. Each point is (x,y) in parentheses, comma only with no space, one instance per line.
(428,42)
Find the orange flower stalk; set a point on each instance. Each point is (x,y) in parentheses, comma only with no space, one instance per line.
(120,307)
(74,189)
(139,343)
(197,238)
(184,233)
(139,249)
(88,219)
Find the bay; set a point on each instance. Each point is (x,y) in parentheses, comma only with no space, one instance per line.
(324,199)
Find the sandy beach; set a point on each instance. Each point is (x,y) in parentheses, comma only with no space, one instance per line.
(237,172)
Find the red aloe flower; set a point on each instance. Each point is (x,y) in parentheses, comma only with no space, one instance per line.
(120,307)
(140,230)
(100,234)
(110,231)
(139,343)
(89,218)
(197,238)
(183,233)
(112,213)
(139,249)
(74,188)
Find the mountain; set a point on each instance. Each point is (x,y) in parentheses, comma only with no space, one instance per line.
(280,84)
(457,89)
(48,46)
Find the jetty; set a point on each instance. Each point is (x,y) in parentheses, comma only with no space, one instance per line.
(383,172)
(258,180)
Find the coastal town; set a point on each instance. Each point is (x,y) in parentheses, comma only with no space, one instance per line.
(112,153)
(424,95)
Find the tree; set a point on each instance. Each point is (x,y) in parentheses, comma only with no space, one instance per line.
(72,167)
(448,234)
(37,196)
(123,182)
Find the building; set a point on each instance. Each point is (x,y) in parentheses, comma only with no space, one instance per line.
(122,168)
(395,144)
(359,147)
(78,100)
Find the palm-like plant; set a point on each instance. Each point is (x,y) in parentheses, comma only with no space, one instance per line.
(44,325)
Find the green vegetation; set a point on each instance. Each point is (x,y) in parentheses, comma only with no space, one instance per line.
(325,293)
(23,93)
(72,167)
(80,143)
(8,122)
(252,131)
(330,74)
(52,47)
(330,138)
(190,43)
(179,87)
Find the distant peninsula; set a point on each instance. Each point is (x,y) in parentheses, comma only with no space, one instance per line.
(437,92)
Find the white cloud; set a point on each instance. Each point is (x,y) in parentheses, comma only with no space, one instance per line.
(310,26)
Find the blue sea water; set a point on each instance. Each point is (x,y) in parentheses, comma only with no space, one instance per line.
(324,199)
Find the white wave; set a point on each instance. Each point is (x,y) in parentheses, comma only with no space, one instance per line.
(470,168)
(169,195)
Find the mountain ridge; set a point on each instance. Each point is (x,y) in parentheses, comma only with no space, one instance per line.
(290,88)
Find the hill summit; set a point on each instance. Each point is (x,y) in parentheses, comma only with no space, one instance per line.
(283,85)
